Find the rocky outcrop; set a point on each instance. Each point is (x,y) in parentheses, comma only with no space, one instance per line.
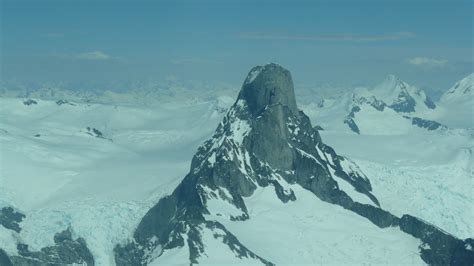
(96,133)
(11,219)
(66,251)
(4,259)
(404,103)
(425,123)
(29,102)
(266,86)
(61,102)
(439,247)
(350,119)
(429,103)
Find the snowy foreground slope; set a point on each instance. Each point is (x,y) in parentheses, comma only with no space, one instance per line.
(237,204)
(60,174)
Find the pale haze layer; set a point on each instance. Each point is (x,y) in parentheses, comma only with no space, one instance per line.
(105,43)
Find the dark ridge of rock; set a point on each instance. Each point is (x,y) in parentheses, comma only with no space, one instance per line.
(11,219)
(377,104)
(429,103)
(352,125)
(404,104)
(230,240)
(66,251)
(96,133)
(424,123)
(377,216)
(349,121)
(61,102)
(166,224)
(439,247)
(4,259)
(29,102)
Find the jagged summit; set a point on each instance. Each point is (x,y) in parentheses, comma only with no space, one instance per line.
(268,85)
(391,79)
(396,94)
(390,87)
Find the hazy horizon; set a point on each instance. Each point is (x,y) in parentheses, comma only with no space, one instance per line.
(425,43)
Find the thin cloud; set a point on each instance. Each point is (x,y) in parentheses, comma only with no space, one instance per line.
(180,61)
(427,62)
(327,37)
(88,56)
(95,55)
(52,35)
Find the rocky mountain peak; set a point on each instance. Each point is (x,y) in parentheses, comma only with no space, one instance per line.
(392,83)
(268,85)
(262,142)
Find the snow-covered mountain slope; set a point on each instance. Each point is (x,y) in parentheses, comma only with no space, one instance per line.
(434,170)
(313,232)
(456,106)
(72,165)
(463,90)
(265,169)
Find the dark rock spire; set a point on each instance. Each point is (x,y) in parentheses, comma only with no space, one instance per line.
(268,85)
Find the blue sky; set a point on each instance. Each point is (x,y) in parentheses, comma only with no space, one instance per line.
(425,42)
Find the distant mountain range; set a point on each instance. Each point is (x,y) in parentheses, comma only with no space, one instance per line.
(395,106)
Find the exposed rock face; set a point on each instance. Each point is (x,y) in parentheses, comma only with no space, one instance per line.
(30,102)
(404,103)
(61,102)
(350,119)
(262,141)
(66,251)
(4,259)
(266,86)
(11,219)
(429,103)
(425,123)
(439,247)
